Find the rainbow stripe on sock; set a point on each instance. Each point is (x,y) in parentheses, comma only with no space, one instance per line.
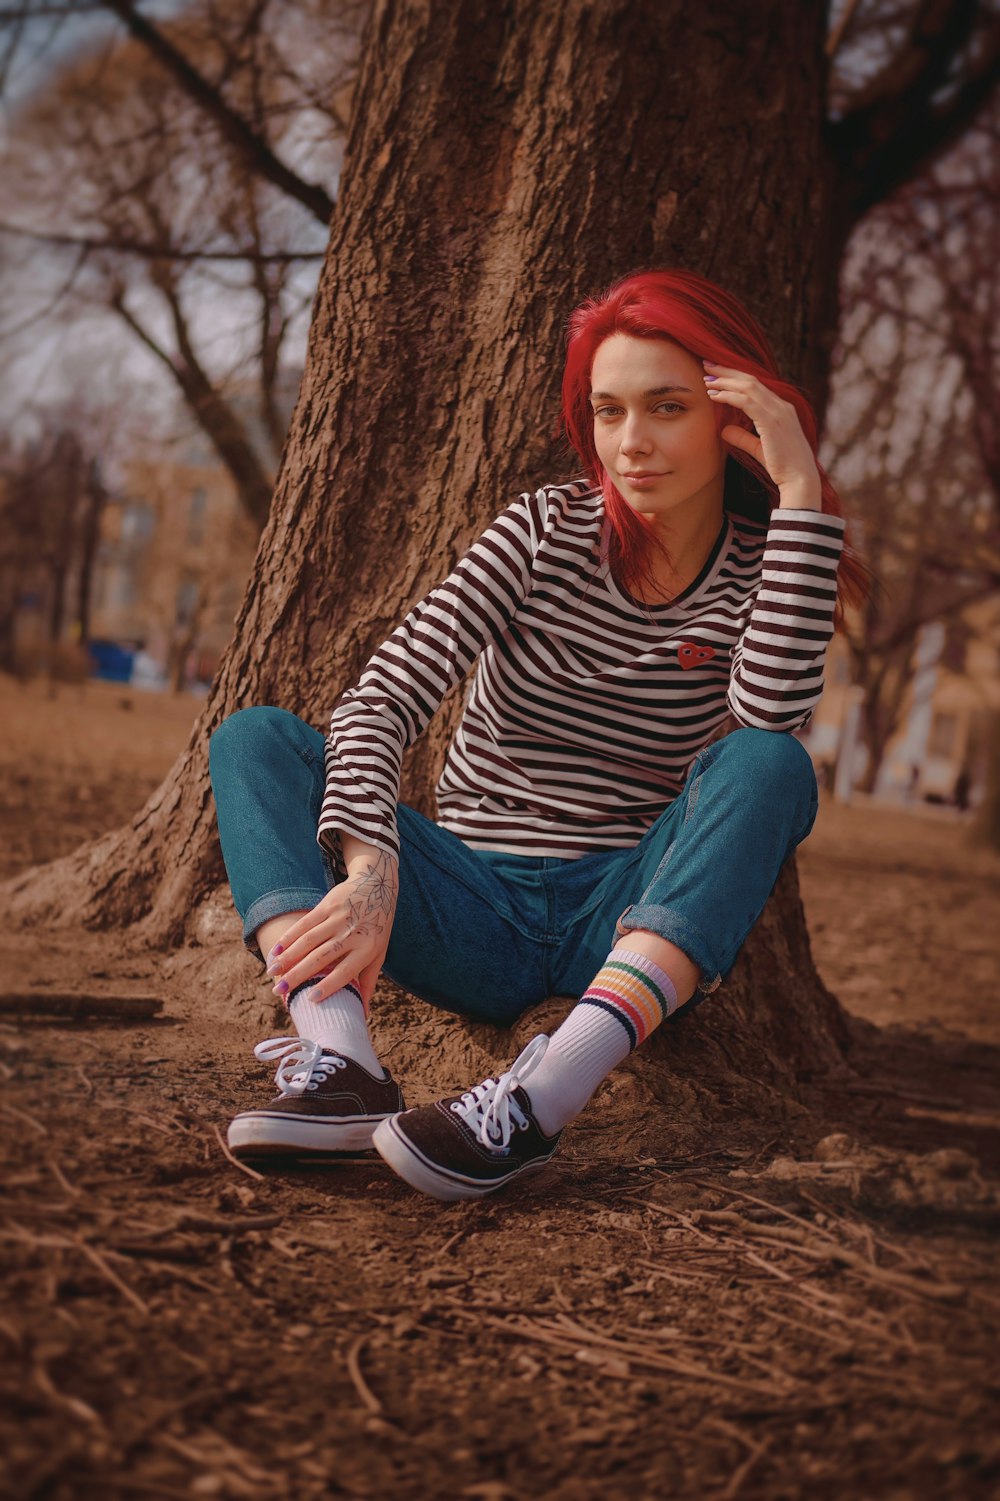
(635,991)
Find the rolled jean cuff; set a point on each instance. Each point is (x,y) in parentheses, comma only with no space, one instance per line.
(675,929)
(275,904)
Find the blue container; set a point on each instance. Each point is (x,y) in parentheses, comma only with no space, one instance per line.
(112,662)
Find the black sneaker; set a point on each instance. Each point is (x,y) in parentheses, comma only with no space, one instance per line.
(466,1147)
(328,1105)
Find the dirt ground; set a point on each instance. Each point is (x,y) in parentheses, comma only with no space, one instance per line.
(803,1306)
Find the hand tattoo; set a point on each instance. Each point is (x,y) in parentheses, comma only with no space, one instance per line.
(375,893)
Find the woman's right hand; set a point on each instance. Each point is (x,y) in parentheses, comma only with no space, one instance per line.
(345,936)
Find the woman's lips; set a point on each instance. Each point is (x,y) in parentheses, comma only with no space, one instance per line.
(644,481)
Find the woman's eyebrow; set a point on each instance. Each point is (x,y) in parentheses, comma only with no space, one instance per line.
(656,391)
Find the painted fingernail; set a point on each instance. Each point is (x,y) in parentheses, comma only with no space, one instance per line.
(282,987)
(710,377)
(278,949)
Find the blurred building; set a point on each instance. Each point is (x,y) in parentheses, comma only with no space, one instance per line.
(940,749)
(174,556)
(175,552)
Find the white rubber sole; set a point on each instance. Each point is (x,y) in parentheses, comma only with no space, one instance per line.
(257,1134)
(426,1176)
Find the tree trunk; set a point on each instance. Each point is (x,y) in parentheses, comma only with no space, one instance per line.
(876,732)
(57,603)
(62,483)
(94,499)
(986,826)
(505,160)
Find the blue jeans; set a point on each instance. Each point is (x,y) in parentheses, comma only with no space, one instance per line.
(486,934)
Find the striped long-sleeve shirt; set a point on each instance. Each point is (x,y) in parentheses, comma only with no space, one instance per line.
(586,708)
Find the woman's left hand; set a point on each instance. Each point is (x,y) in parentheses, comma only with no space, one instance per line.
(782,446)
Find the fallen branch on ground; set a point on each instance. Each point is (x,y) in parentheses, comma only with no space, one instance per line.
(40,1003)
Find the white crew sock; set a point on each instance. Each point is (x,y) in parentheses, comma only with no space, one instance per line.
(338,1023)
(624,1003)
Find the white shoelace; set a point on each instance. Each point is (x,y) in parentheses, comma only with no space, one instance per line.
(488,1107)
(303,1064)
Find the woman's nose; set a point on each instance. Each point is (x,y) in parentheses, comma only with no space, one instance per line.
(635,438)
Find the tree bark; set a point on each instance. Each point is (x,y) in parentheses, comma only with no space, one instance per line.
(505,160)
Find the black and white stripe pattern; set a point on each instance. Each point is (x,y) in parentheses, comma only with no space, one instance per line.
(586,709)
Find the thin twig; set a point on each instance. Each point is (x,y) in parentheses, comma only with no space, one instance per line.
(66,1243)
(827,1249)
(739,1475)
(220,1224)
(96,1259)
(22,1115)
(741,1193)
(250,1172)
(361,1386)
(74,1405)
(62,1180)
(149,1120)
(673,1214)
(569,1336)
(651,1335)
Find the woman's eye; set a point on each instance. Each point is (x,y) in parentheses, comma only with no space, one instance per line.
(605,411)
(676,406)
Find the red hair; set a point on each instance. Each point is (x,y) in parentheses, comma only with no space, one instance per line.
(710,324)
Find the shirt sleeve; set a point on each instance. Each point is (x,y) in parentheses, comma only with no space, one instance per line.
(408,676)
(777,667)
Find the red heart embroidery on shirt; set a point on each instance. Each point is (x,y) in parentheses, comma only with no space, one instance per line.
(690,653)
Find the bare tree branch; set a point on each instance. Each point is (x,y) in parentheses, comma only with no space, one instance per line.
(249,143)
(164,252)
(44,313)
(217,417)
(842,28)
(18,14)
(894,126)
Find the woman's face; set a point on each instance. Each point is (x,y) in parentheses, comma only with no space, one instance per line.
(655,428)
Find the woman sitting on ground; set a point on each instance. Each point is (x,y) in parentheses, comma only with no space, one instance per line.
(593,839)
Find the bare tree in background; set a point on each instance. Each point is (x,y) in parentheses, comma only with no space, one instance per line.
(951,226)
(52,495)
(170,218)
(270,39)
(920,411)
